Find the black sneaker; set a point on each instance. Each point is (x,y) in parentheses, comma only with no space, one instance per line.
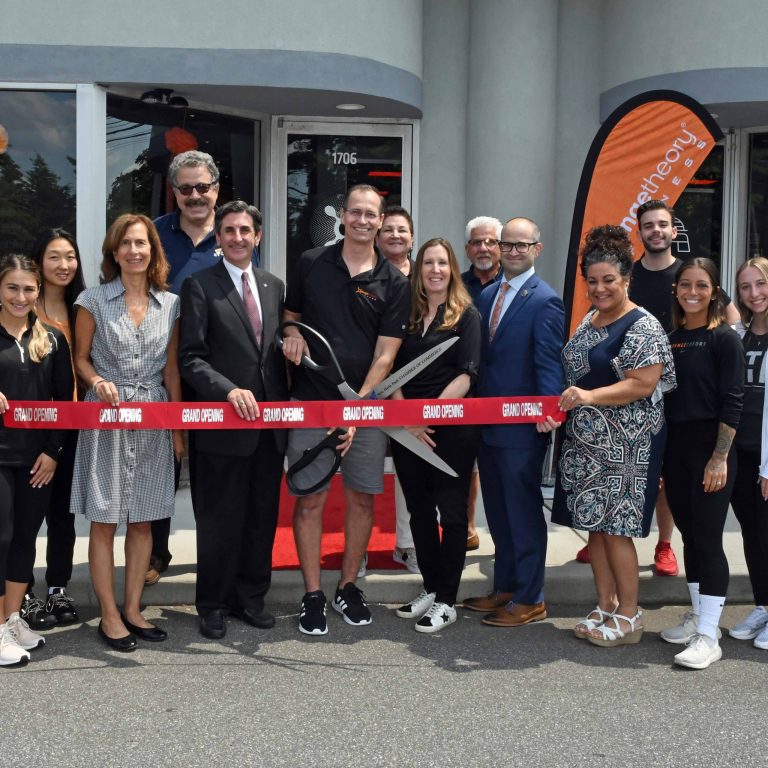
(350,603)
(62,607)
(33,612)
(312,619)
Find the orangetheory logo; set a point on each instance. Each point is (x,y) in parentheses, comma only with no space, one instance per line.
(651,183)
(363,292)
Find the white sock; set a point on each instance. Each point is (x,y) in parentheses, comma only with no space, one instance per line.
(693,590)
(710,608)
(51,590)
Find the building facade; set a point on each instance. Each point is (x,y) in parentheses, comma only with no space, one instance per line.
(453,108)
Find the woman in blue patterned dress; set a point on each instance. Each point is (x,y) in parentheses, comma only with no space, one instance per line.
(618,365)
(127,338)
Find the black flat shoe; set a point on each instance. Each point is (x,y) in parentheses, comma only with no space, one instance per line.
(151,634)
(122,644)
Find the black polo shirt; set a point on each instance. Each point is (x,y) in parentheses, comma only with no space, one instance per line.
(474,285)
(350,312)
(22,379)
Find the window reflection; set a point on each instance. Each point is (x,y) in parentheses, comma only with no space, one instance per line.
(37,165)
(757,216)
(142,139)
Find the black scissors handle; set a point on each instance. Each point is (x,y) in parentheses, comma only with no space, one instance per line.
(329,443)
(330,370)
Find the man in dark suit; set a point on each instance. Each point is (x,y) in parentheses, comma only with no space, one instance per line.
(229,315)
(523,325)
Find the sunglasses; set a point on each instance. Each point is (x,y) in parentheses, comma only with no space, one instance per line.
(186,189)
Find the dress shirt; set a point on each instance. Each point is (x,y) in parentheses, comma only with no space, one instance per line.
(236,274)
(515,284)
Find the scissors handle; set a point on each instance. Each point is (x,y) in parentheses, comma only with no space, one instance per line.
(328,369)
(329,443)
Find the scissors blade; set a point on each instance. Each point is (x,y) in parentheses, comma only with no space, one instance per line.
(396,380)
(413,444)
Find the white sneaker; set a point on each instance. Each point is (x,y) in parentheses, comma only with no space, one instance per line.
(438,616)
(25,637)
(700,653)
(363,569)
(761,641)
(406,557)
(683,633)
(11,653)
(752,626)
(417,607)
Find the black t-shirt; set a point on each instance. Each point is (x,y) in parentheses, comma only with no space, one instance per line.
(462,357)
(350,312)
(749,433)
(23,379)
(709,365)
(653,291)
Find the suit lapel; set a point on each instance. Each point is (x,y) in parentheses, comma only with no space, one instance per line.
(229,290)
(269,308)
(520,300)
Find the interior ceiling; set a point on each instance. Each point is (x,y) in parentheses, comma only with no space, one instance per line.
(277,101)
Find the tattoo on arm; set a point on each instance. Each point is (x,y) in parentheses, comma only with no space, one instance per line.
(725,435)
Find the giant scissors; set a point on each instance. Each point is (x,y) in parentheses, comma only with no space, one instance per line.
(331,371)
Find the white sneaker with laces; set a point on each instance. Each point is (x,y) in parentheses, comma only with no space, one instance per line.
(700,653)
(417,607)
(761,641)
(683,633)
(438,616)
(752,626)
(11,653)
(25,637)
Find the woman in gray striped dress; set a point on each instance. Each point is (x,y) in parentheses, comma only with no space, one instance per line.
(127,337)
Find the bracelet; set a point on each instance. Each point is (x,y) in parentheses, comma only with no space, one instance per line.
(100,381)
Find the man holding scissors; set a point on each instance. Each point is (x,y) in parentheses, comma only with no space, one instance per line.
(354,297)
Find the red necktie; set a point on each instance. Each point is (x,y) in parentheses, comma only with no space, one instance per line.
(252,309)
(496,316)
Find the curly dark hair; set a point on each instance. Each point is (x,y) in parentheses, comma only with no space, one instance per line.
(607,244)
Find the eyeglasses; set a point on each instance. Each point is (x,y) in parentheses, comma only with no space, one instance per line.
(186,189)
(356,213)
(506,247)
(488,242)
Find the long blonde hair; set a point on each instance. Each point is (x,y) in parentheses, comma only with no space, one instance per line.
(40,343)
(458,298)
(760,263)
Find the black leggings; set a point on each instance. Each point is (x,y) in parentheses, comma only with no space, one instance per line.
(699,516)
(751,511)
(426,489)
(22,509)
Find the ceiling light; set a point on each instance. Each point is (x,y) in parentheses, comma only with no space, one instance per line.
(350,107)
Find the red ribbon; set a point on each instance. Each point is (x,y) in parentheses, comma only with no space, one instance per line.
(46,414)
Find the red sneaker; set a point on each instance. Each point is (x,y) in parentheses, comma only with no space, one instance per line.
(664,560)
(582,556)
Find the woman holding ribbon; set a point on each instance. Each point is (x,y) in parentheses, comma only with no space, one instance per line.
(126,336)
(618,364)
(441,308)
(34,365)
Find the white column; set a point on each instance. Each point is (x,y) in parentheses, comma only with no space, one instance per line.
(91,183)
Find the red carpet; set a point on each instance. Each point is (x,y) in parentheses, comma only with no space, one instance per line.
(382,542)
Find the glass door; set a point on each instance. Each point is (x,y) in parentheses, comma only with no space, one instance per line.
(316,163)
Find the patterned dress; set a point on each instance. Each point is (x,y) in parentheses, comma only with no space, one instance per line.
(126,475)
(611,456)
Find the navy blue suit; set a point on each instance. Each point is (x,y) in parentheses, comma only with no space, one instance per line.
(523,359)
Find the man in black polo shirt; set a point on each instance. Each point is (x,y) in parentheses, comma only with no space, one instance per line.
(360,303)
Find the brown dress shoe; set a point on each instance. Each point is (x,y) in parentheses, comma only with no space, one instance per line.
(516,616)
(489,602)
(473,542)
(152,577)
